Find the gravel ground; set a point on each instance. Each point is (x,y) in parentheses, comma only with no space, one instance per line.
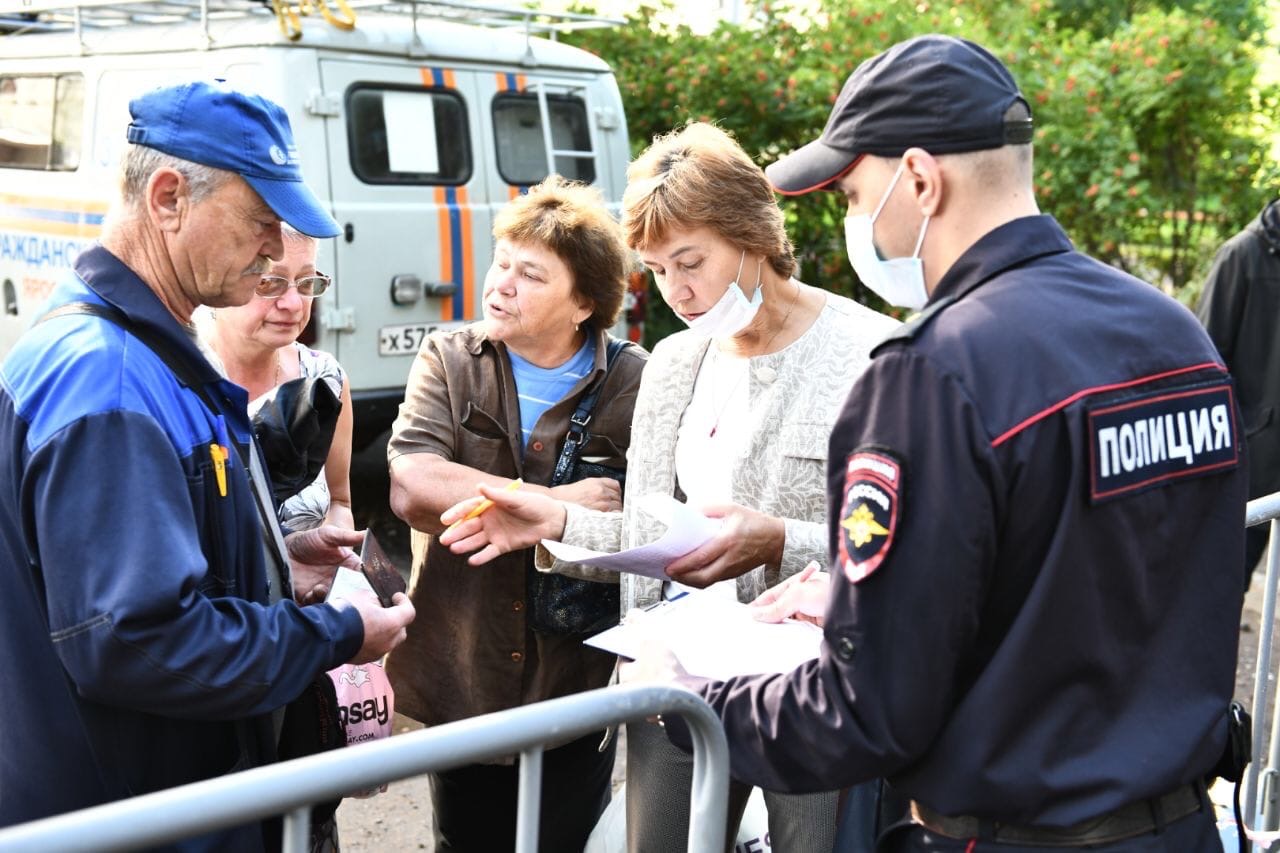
(398,819)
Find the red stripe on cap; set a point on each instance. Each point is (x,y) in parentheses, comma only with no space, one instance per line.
(828,182)
(1044,413)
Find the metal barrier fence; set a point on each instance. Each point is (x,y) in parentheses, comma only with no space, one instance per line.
(1265,815)
(289,788)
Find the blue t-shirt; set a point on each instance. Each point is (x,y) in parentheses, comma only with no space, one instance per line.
(540,388)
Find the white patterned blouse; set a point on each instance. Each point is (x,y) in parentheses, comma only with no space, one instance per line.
(795,395)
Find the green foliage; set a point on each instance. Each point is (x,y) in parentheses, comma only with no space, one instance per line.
(1153,134)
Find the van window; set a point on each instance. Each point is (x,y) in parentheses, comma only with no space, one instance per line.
(407,135)
(40,121)
(522,154)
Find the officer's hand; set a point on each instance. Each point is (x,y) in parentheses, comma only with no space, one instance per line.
(600,493)
(747,539)
(518,518)
(384,627)
(314,557)
(803,596)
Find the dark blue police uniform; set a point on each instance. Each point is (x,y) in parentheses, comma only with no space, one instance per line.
(1037,493)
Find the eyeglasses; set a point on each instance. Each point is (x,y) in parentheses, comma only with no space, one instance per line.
(275,286)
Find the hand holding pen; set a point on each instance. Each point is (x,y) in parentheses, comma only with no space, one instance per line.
(485,503)
(501,520)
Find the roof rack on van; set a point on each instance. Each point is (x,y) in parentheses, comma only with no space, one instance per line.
(38,16)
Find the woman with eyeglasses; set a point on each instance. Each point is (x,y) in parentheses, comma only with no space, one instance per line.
(257,345)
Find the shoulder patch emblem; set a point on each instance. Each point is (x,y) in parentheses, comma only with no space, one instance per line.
(868,512)
(1160,438)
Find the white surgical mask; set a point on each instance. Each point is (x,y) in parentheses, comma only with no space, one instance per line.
(898,281)
(732,313)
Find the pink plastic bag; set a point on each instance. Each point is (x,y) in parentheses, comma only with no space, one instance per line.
(366,705)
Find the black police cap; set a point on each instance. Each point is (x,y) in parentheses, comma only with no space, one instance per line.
(939,93)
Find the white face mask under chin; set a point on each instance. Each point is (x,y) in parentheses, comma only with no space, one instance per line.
(898,281)
(733,312)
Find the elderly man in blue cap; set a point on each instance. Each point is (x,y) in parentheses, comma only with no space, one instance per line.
(151,616)
(1036,499)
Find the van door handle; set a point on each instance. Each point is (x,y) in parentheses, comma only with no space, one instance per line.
(440,288)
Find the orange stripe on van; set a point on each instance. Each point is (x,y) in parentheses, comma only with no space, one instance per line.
(446,251)
(53,203)
(426,77)
(450,81)
(56,229)
(513,192)
(521,81)
(468,258)
(502,81)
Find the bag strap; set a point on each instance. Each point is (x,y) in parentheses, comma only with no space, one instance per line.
(181,367)
(581,416)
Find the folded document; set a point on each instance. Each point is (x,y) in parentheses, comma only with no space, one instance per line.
(715,637)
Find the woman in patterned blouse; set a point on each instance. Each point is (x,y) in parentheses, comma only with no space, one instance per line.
(733,417)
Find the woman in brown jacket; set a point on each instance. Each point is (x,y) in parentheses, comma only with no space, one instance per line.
(487,404)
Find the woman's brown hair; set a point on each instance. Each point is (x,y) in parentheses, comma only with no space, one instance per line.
(699,176)
(571,220)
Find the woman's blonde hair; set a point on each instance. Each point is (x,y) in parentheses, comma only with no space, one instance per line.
(699,176)
(571,220)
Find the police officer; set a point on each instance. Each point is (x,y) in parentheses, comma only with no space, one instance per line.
(1034,490)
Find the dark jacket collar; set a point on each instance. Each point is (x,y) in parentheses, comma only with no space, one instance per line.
(1000,249)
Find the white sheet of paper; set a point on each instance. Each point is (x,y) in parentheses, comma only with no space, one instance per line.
(344,582)
(686,530)
(411,132)
(714,637)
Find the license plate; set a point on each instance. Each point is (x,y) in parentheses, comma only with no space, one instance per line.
(406,339)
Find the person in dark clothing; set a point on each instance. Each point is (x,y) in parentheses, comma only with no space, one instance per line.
(1240,308)
(1032,491)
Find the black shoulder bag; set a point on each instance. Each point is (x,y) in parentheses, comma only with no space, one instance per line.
(563,605)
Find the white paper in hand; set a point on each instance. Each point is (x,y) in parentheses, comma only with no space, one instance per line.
(714,637)
(687,529)
(345,582)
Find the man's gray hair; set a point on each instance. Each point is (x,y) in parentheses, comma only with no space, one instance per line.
(141,162)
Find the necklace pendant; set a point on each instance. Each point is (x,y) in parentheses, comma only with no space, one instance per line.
(712,434)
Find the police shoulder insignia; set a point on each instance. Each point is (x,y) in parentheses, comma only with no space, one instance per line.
(868,512)
(1157,439)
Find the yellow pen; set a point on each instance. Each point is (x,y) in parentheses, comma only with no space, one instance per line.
(486,503)
(219,455)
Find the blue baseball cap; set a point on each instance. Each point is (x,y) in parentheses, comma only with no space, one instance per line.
(216,126)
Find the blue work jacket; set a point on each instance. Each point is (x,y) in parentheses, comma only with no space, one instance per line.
(136,636)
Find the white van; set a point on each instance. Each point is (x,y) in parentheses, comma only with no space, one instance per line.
(415,126)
